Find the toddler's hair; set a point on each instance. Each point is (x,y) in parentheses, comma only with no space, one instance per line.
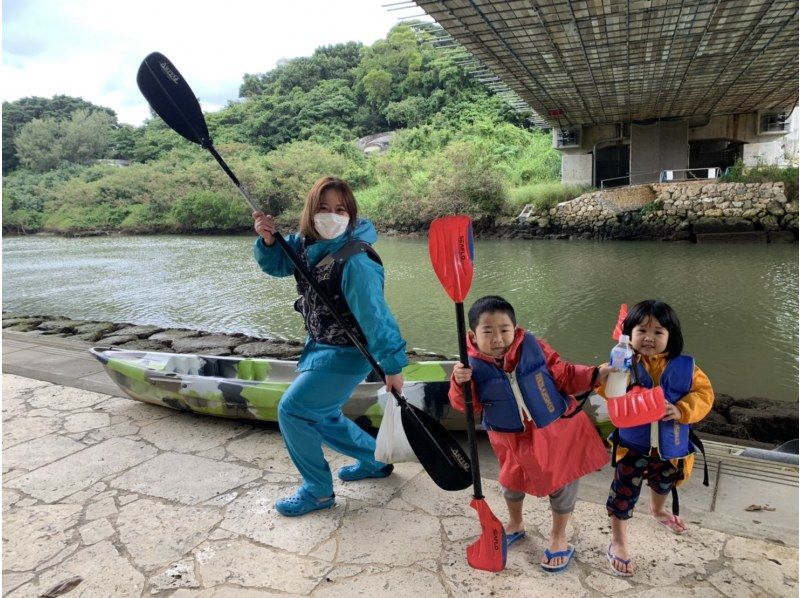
(489,304)
(665,315)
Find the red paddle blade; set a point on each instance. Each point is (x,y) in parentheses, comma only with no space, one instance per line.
(489,552)
(637,407)
(452,253)
(623,313)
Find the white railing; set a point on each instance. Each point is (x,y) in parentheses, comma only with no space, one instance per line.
(685,174)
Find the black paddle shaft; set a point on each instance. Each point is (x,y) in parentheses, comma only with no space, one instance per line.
(467,386)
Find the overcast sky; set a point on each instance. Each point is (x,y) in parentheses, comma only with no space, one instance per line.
(91,49)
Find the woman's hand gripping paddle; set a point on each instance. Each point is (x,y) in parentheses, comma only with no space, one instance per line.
(170,96)
(451,251)
(639,405)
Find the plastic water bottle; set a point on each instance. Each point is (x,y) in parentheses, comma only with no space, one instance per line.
(622,360)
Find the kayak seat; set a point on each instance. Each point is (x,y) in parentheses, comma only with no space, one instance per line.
(252,369)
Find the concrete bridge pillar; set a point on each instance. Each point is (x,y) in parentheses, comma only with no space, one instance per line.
(662,145)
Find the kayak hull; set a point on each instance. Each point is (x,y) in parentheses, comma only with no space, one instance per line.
(250,389)
(246,388)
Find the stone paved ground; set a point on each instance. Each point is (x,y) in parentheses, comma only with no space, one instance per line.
(139,500)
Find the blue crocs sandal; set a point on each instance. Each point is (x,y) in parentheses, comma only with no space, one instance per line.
(554,555)
(514,537)
(301,503)
(353,473)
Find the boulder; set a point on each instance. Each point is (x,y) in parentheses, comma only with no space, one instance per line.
(140,331)
(174,334)
(117,339)
(94,331)
(144,344)
(56,326)
(715,423)
(29,322)
(208,343)
(271,349)
(771,422)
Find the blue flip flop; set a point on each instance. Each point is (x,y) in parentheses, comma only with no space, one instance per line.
(301,503)
(514,537)
(554,555)
(613,557)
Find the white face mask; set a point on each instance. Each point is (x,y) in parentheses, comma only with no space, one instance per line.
(330,225)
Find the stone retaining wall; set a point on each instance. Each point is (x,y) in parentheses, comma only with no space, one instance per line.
(758,419)
(676,211)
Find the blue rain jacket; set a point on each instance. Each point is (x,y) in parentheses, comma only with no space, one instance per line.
(362,285)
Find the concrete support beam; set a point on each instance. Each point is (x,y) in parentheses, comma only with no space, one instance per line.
(663,145)
(576,169)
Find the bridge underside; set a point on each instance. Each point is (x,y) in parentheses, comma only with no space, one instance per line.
(590,62)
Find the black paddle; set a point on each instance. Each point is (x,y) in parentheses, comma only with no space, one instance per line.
(173,100)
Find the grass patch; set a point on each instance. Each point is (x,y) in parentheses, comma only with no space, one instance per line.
(544,195)
(653,206)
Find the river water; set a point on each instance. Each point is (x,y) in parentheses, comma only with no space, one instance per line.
(738,305)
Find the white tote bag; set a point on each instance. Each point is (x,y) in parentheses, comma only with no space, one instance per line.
(391,445)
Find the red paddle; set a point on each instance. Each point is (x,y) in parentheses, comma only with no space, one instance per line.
(623,313)
(451,251)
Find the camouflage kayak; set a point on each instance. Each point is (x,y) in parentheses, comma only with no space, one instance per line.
(247,388)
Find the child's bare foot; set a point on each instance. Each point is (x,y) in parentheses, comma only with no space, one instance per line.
(672,522)
(620,559)
(558,544)
(514,526)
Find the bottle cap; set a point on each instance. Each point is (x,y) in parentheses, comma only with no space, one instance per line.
(624,338)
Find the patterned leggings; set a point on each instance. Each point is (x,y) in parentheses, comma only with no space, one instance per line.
(631,469)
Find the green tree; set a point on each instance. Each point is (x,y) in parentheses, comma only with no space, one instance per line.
(18,113)
(377,86)
(293,170)
(408,112)
(328,62)
(43,144)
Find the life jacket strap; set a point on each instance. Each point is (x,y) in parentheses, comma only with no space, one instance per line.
(614,446)
(699,444)
(676,506)
(582,398)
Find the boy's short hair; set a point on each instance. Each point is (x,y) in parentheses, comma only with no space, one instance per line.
(665,315)
(489,304)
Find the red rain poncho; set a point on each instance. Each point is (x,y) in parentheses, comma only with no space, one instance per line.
(540,461)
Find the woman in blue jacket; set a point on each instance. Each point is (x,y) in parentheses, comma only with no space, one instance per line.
(336,246)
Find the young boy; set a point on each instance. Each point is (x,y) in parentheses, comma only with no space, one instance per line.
(515,378)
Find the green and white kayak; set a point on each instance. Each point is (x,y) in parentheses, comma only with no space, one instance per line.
(247,388)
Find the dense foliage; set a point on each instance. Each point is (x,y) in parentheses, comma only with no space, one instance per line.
(455,148)
(763,174)
(18,114)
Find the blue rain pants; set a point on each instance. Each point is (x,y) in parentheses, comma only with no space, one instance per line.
(310,414)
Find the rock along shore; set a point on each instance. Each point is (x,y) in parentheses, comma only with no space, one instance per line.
(753,418)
